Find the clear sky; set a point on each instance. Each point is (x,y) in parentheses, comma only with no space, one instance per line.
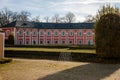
(42,8)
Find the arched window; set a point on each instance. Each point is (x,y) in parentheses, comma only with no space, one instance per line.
(20,42)
(63,33)
(20,32)
(34,42)
(71,33)
(27,42)
(80,33)
(80,41)
(89,42)
(41,33)
(7,32)
(89,33)
(48,33)
(55,33)
(27,32)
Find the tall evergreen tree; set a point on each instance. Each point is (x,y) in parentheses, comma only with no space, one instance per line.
(107,28)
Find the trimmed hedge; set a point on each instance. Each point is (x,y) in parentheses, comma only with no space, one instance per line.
(54,46)
(49,55)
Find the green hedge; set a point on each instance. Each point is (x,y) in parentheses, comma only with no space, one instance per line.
(5,60)
(54,46)
(49,55)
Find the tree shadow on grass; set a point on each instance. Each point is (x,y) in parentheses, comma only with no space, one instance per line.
(84,72)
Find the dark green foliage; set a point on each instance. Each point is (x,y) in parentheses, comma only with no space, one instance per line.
(108,36)
(86,57)
(10,39)
(5,60)
(54,46)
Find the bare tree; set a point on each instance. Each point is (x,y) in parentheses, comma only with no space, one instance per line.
(24,15)
(47,19)
(70,17)
(36,19)
(90,18)
(5,16)
(63,20)
(56,18)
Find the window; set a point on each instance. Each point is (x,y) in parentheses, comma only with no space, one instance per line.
(70,42)
(34,42)
(20,32)
(48,42)
(41,33)
(34,33)
(41,41)
(56,42)
(80,34)
(89,42)
(27,42)
(63,33)
(63,42)
(80,41)
(89,33)
(71,33)
(20,42)
(8,32)
(27,32)
(48,33)
(56,33)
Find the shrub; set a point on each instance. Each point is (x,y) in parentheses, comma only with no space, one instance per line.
(108,36)
(10,39)
(5,60)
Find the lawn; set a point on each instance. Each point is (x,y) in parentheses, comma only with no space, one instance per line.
(92,51)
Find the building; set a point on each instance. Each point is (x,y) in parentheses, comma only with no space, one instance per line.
(34,33)
(1,45)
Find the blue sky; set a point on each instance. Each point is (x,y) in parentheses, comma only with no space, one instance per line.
(42,8)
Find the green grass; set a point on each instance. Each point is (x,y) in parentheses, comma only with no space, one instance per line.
(92,51)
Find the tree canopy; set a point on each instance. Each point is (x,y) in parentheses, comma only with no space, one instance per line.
(107,32)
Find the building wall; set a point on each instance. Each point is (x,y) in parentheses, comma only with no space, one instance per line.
(1,45)
(28,36)
(8,31)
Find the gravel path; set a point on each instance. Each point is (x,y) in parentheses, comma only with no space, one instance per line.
(26,69)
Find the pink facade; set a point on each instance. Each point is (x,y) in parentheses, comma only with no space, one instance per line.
(30,33)
(8,31)
(31,36)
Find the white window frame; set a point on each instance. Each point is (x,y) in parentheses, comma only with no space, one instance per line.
(28,42)
(40,41)
(20,42)
(70,33)
(56,33)
(80,33)
(71,41)
(20,32)
(63,32)
(35,42)
(49,33)
(55,41)
(49,42)
(41,33)
(89,33)
(80,41)
(34,33)
(27,32)
(8,32)
(62,41)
